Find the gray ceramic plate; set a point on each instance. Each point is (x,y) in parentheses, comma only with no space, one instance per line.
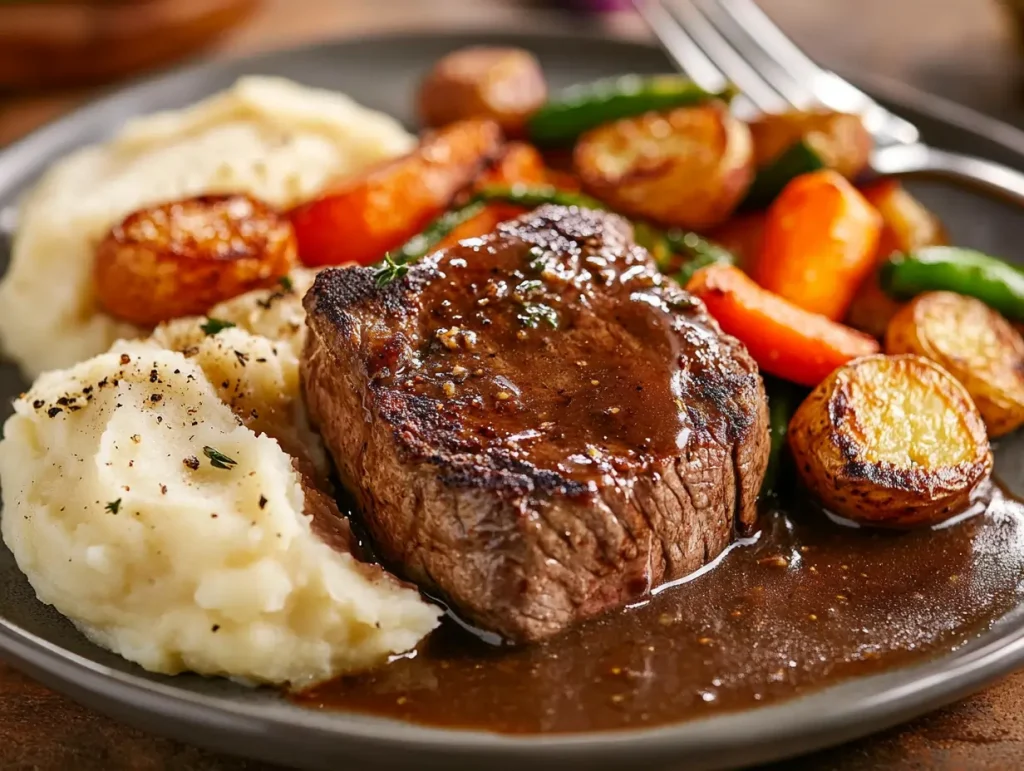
(382,73)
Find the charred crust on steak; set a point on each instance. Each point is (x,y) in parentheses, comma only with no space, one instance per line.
(546,389)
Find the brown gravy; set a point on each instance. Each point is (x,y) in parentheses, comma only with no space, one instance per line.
(806,604)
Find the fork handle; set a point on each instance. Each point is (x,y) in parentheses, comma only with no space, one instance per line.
(918,160)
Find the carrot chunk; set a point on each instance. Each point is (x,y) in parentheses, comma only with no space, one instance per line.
(820,239)
(784,339)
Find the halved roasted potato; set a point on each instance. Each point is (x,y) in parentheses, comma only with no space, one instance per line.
(505,85)
(891,441)
(838,139)
(689,167)
(182,258)
(975,344)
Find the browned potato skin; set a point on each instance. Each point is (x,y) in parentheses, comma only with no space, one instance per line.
(840,139)
(945,327)
(825,436)
(696,184)
(505,85)
(181,258)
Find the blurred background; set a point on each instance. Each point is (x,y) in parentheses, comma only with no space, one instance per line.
(54,54)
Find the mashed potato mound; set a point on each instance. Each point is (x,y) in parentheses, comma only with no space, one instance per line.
(267,137)
(145,508)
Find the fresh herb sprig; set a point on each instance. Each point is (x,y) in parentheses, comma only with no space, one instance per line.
(389,270)
(219,459)
(212,326)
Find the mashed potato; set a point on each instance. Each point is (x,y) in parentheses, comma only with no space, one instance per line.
(267,399)
(145,508)
(268,137)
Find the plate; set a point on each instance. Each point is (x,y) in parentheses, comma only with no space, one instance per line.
(382,72)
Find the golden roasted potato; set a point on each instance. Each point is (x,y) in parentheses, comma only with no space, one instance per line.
(839,139)
(975,344)
(891,441)
(181,258)
(505,85)
(689,167)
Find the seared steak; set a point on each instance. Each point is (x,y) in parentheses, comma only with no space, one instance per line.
(537,426)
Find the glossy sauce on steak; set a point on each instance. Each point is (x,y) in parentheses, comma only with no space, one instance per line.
(536,425)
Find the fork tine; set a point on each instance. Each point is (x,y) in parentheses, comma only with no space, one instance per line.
(749,16)
(828,88)
(799,93)
(678,45)
(721,52)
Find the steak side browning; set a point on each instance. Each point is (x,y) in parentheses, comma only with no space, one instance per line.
(536,425)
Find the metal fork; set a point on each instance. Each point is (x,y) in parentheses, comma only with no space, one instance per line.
(720,41)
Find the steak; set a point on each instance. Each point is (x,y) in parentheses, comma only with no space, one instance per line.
(537,426)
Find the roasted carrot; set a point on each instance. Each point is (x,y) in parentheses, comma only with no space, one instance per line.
(518,164)
(365,216)
(819,244)
(483,223)
(906,225)
(563,180)
(784,339)
(743,235)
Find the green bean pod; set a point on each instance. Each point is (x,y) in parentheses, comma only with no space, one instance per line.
(996,283)
(586,106)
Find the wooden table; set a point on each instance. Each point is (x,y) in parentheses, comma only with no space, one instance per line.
(961,49)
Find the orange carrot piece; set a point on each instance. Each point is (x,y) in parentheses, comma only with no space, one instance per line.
(482,224)
(819,244)
(784,339)
(519,164)
(906,225)
(743,235)
(365,216)
(563,180)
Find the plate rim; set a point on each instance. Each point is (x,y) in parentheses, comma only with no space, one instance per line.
(930,684)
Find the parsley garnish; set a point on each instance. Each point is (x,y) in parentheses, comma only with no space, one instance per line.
(114,506)
(212,326)
(286,283)
(526,288)
(534,313)
(219,459)
(389,270)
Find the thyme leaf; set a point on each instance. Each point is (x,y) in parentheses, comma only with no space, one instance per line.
(533,314)
(212,326)
(219,459)
(389,271)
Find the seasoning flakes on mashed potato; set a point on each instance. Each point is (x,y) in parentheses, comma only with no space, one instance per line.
(268,137)
(142,504)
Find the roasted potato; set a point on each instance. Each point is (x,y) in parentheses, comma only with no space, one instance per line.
(975,344)
(891,441)
(181,258)
(839,139)
(505,85)
(689,167)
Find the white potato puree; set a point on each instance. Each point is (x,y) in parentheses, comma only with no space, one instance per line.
(268,137)
(122,522)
